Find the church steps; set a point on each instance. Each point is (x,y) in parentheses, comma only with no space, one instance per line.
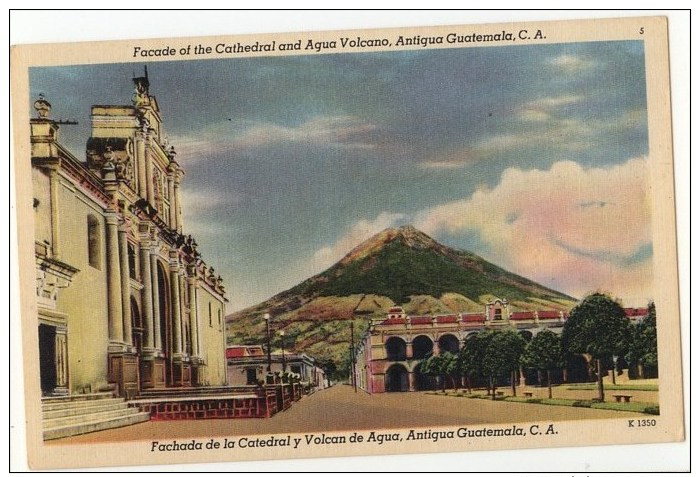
(73,410)
(95,425)
(80,414)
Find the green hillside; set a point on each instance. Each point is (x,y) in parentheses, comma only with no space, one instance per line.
(399,266)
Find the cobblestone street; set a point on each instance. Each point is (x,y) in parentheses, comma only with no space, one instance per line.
(339,408)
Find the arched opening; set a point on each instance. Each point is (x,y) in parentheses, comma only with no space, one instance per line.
(164,321)
(136,326)
(527,335)
(47,358)
(422,347)
(577,369)
(423,382)
(396,379)
(449,343)
(395,349)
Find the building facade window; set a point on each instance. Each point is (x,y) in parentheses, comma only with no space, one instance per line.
(94,242)
(210,314)
(251,376)
(132,261)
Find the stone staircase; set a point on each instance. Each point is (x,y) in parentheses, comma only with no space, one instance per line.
(82,413)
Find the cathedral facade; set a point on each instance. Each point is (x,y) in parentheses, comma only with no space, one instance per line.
(124,300)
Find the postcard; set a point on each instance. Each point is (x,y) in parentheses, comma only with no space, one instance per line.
(414,240)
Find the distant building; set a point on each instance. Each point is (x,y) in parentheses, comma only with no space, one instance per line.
(390,353)
(124,300)
(247,365)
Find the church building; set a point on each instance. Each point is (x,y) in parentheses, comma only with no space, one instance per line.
(125,302)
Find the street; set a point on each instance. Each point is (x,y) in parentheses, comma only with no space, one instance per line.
(339,408)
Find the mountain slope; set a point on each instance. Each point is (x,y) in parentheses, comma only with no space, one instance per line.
(398,266)
(399,263)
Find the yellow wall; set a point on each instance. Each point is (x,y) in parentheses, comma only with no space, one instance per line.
(212,339)
(85,300)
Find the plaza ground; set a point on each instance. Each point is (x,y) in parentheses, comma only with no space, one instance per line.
(340,408)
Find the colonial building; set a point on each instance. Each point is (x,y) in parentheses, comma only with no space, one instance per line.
(390,354)
(247,365)
(124,299)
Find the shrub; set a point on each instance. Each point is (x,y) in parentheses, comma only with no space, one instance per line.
(581,404)
(652,410)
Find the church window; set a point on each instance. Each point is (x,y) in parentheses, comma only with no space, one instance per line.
(132,261)
(94,242)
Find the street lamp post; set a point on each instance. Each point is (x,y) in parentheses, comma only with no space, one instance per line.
(269,355)
(284,361)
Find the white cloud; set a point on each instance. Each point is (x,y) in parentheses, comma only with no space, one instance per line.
(570,228)
(542,109)
(571,63)
(331,131)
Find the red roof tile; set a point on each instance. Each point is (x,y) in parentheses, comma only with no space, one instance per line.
(421,320)
(393,321)
(473,317)
(547,314)
(237,352)
(635,311)
(522,315)
(447,319)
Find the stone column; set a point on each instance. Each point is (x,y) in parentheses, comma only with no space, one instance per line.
(141,164)
(149,177)
(157,338)
(175,301)
(194,321)
(171,198)
(147,295)
(53,193)
(124,268)
(411,381)
(114,296)
(175,202)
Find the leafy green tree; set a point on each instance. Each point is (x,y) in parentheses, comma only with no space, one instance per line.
(643,347)
(471,356)
(429,366)
(598,327)
(447,367)
(442,366)
(544,353)
(502,357)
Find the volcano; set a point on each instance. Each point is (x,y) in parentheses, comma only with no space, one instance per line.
(398,266)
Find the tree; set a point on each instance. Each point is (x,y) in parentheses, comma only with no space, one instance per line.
(502,357)
(471,356)
(442,365)
(429,366)
(643,348)
(598,327)
(544,353)
(447,366)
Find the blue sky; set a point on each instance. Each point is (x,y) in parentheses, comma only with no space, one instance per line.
(534,157)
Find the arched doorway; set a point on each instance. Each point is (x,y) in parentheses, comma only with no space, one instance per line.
(423,382)
(164,321)
(47,358)
(577,369)
(449,343)
(422,347)
(396,379)
(136,326)
(395,349)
